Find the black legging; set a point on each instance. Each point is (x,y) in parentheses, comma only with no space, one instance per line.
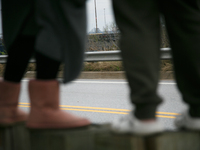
(19,55)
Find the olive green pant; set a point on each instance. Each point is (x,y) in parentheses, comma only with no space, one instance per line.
(139,24)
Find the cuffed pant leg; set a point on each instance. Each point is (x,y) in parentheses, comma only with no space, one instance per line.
(183,25)
(140,45)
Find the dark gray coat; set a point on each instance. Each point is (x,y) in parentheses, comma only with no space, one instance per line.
(59,27)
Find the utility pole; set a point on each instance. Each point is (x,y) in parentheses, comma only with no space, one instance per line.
(105,16)
(95,14)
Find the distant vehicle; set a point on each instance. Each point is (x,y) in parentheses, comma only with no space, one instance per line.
(2,48)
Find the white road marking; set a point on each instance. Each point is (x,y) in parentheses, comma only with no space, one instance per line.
(99,82)
(104,82)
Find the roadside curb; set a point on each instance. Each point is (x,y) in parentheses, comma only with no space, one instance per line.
(105,75)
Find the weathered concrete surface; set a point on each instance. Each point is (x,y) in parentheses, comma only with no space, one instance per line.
(184,140)
(94,137)
(14,138)
(105,75)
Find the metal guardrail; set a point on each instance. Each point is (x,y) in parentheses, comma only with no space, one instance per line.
(115,55)
(165,53)
(104,56)
(3,59)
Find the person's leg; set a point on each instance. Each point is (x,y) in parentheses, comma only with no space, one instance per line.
(51,45)
(44,96)
(18,57)
(139,24)
(47,68)
(183,25)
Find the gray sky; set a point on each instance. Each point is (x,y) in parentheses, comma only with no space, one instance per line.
(100,4)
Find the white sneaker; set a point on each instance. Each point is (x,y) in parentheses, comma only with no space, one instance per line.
(185,121)
(130,124)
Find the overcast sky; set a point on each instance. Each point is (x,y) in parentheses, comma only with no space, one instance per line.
(100,5)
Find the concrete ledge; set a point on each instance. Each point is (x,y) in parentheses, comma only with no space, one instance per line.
(14,138)
(105,75)
(94,137)
(184,140)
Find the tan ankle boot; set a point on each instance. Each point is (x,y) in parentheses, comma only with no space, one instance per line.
(45,112)
(9,111)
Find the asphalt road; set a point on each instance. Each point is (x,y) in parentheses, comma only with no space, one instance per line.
(102,101)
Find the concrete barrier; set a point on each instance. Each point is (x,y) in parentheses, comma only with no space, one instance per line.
(94,137)
(184,140)
(14,138)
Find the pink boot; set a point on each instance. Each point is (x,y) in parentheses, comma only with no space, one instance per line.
(45,112)
(9,111)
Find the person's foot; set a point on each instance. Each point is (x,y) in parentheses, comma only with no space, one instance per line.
(185,121)
(47,118)
(45,112)
(10,114)
(130,124)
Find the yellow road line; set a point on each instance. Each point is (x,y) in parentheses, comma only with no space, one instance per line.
(161,116)
(23,106)
(99,108)
(89,107)
(94,108)
(167,113)
(110,112)
(25,103)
